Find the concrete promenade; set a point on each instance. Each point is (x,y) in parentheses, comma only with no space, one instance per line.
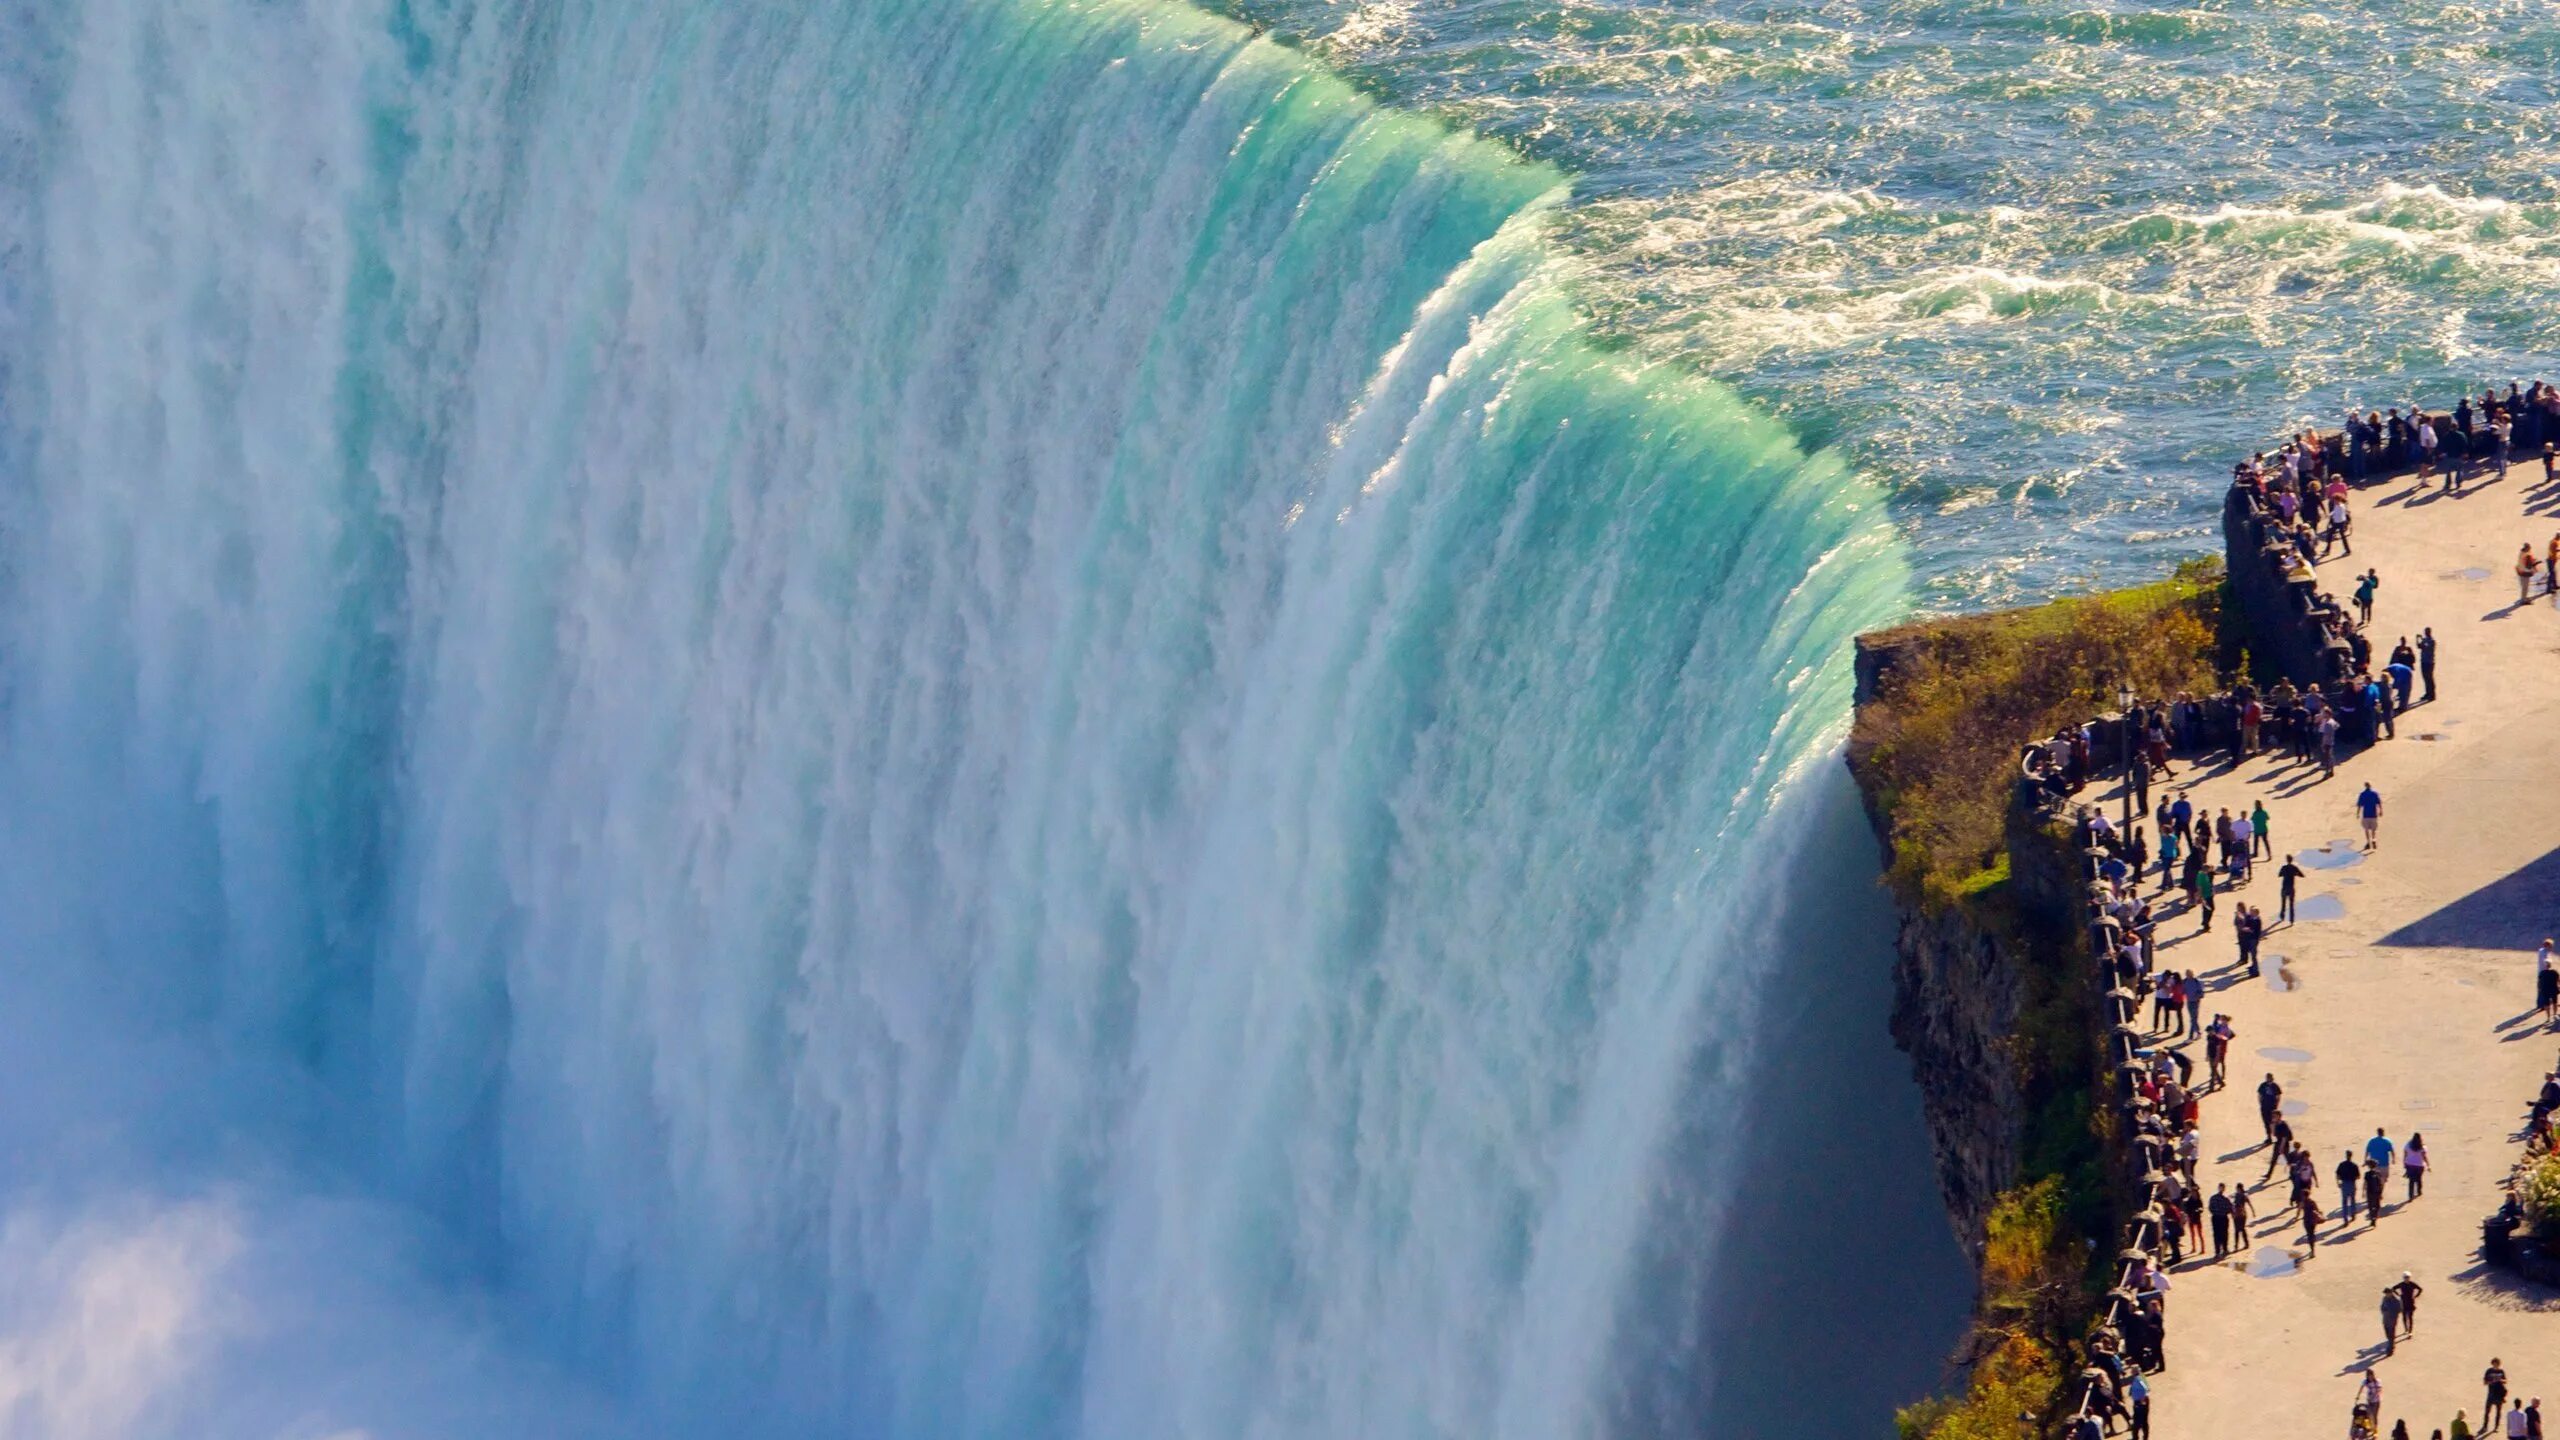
(2402,998)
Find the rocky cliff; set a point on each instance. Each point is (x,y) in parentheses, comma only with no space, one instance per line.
(1957,993)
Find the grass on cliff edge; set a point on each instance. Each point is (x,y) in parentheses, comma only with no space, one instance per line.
(1937,747)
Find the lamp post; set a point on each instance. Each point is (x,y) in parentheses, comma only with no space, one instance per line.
(2124,733)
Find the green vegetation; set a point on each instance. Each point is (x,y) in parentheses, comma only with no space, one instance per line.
(1936,752)
(2539,1188)
(2033,1305)
(1937,749)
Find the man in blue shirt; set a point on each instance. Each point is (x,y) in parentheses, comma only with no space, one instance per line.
(2369,808)
(2378,1150)
(2403,679)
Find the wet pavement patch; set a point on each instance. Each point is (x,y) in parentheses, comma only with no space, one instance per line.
(2285,1055)
(2321,907)
(2293,1107)
(2337,854)
(2270,1261)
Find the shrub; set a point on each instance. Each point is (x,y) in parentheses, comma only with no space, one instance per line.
(2018,1376)
(1938,747)
(2539,1188)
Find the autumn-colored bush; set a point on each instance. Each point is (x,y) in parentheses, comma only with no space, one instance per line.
(1938,746)
(2033,1303)
(2539,1188)
(2018,1377)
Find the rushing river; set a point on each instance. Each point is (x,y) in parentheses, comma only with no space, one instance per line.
(2042,268)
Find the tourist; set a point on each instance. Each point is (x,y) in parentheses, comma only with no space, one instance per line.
(2249,927)
(2546,984)
(2378,1150)
(2217,1046)
(2525,570)
(2369,1392)
(2413,1164)
(2461,1427)
(2219,1210)
(2518,1426)
(2494,1380)
(2372,582)
(2168,853)
(2369,809)
(2191,989)
(2270,1095)
(2258,840)
(2243,1210)
(2390,1320)
(2138,1393)
(2408,1290)
(2204,899)
(2289,1156)
(2350,1181)
(2427,660)
(2311,1223)
(2375,1177)
(2286,879)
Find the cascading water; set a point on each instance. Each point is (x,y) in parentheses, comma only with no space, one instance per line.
(972,718)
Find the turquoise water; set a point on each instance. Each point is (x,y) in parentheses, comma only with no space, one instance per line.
(2041,268)
(915,718)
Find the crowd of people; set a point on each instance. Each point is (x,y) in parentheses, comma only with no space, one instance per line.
(2304,495)
(2502,1412)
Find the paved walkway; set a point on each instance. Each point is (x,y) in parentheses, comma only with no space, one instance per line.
(2402,999)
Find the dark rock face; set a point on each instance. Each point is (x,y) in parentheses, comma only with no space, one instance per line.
(1956,999)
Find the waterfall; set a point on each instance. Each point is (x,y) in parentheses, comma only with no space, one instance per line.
(925,717)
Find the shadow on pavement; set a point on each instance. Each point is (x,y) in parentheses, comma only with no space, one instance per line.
(2513,913)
